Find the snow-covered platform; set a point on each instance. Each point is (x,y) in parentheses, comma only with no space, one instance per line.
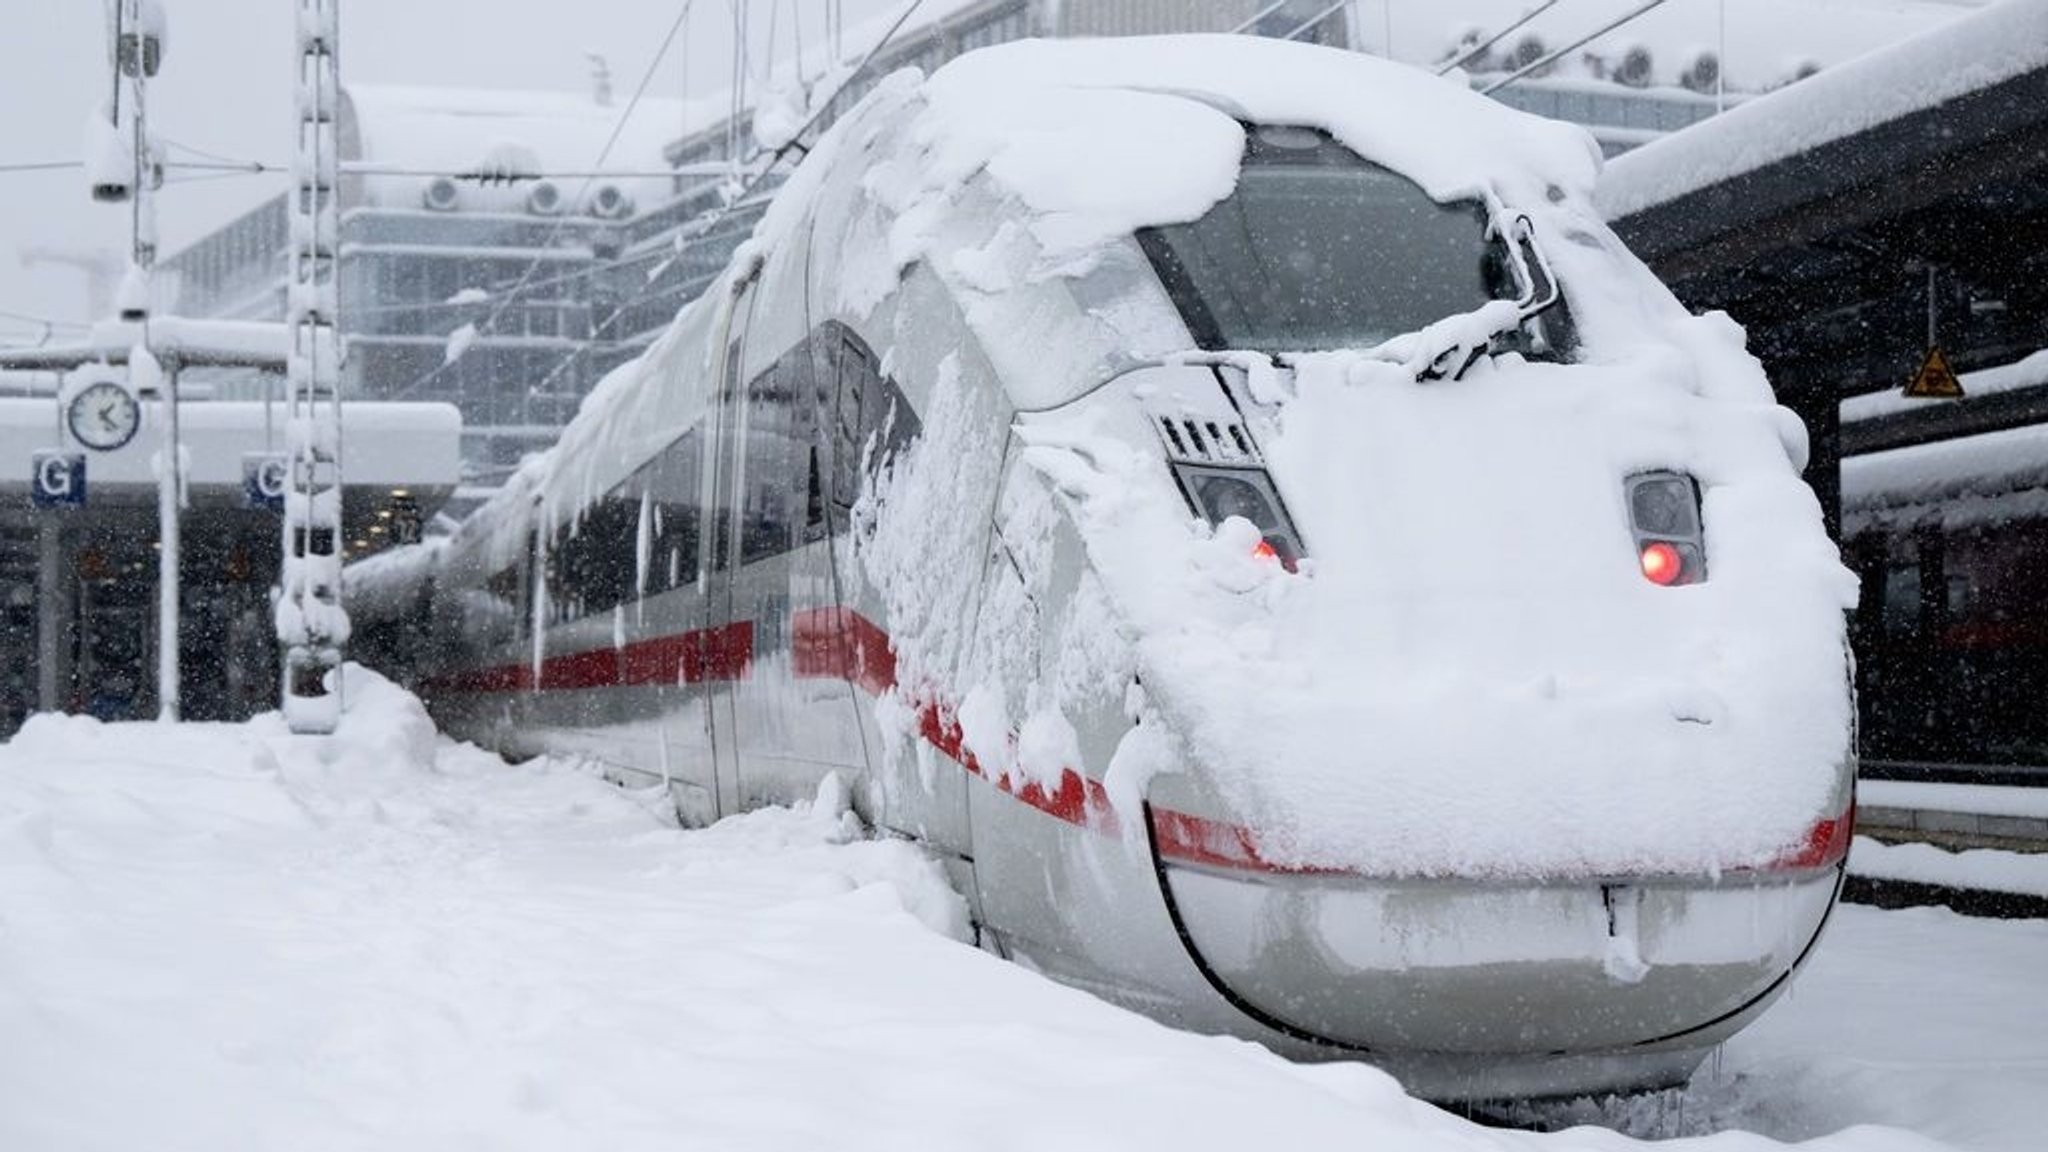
(221,936)
(1977,848)
(1963,814)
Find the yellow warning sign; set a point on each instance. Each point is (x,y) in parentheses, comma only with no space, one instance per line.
(1935,380)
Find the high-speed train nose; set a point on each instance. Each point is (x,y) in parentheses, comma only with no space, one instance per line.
(1501,968)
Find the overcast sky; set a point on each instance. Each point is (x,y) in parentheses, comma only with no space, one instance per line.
(225,87)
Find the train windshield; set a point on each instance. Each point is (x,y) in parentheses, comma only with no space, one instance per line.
(1321,249)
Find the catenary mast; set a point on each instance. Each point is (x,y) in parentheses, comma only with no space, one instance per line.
(312,625)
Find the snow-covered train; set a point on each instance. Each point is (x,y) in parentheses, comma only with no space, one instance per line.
(1237,504)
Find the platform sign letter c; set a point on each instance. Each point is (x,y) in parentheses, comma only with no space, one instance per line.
(263,480)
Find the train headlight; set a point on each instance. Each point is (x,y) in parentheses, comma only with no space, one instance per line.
(1217,494)
(1664,511)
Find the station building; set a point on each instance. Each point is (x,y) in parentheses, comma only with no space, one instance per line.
(445,208)
(79,536)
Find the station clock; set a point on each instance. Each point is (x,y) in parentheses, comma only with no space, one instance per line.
(104,416)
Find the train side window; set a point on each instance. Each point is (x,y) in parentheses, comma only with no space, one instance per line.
(592,565)
(671,480)
(856,373)
(777,436)
(508,594)
(871,420)
(723,499)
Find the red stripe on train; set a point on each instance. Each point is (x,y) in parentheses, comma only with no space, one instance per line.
(705,655)
(841,644)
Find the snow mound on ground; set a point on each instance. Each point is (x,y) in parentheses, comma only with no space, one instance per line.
(221,936)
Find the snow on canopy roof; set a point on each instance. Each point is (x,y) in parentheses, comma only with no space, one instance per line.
(2028,372)
(1972,53)
(517,132)
(1968,480)
(1073,126)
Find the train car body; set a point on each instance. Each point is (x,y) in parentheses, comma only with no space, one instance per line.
(1950,537)
(1239,507)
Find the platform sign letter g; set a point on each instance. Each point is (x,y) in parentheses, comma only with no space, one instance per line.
(59,479)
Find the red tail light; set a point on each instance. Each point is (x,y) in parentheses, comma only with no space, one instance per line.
(1662,563)
(1264,550)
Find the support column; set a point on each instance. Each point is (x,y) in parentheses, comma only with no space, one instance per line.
(312,626)
(53,604)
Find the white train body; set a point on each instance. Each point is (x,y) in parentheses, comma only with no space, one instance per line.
(1111,458)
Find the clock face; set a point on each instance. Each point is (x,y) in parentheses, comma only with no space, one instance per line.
(105,416)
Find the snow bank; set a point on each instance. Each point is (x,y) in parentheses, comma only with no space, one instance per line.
(217,936)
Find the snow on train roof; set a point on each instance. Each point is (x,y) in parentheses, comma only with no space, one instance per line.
(1972,53)
(1099,137)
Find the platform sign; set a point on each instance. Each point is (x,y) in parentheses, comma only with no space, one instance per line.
(1935,380)
(405,523)
(264,477)
(58,479)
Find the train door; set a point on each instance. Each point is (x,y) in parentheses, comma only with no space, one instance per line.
(728,641)
(869,422)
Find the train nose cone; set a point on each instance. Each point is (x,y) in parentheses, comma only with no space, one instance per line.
(1468,967)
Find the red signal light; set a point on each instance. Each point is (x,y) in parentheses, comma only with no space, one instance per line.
(1662,563)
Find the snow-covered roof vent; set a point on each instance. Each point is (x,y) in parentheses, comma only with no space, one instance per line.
(610,202)
(441,194)
(544,199)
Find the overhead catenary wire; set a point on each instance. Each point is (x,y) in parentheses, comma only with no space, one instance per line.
(1250,21)
(1316,19)
(1553,57)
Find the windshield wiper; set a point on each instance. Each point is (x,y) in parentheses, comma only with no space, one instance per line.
(1445,349)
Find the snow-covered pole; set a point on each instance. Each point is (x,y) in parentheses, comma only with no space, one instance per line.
(138,40)
(312,626)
